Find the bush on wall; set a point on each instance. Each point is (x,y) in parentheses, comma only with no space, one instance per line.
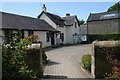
(107,62)
(44,57)
(86,62)
(102,37)
(13,60)
(14,56)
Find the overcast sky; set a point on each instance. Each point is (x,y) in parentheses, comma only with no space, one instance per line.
(33,9)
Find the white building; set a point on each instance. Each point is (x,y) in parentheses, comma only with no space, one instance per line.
(68,27)
(51,29)
(25,26)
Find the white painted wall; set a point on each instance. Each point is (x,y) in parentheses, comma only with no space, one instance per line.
(67,30)
(70,30)
(63,30)
(55,38)
(48,20)
(69,35)
(25,33)
(42,37)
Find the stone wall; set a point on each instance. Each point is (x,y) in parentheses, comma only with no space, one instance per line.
(34,59)
(102,51)
(104,26)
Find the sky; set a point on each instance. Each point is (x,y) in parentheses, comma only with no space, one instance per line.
(33,9)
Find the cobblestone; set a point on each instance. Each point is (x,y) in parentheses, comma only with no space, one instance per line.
(64,62)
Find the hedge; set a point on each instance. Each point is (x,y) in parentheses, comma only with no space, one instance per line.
(102,37)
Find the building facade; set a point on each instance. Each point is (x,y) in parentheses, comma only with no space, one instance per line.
(51,29)
(67,26)
(12,23)
(83,33)
(107,22)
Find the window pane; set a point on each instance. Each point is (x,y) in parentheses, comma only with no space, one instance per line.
(30,33)
(47,37)
(8,35)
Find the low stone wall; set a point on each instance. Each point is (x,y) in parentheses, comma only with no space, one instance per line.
(34,59)
(102,51)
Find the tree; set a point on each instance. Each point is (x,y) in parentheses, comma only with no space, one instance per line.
(115,7)
(81,22)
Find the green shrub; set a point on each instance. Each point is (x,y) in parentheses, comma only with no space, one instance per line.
(13,60)
(44,57)
(102,37)
(86,62)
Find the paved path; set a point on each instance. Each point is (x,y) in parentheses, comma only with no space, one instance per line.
(65,62)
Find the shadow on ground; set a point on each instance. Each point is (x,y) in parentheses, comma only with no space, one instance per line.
(60,46)
(50,63)
(55,77)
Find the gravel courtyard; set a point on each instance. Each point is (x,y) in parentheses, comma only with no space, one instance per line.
(64,62)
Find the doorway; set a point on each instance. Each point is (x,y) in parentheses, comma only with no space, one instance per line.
(52,39)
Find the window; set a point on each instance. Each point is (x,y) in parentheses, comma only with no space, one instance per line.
(13,34)
(109,16)
(48,37)
(20,33)
(75,25)
(62,36)
(8,35)
(30,33)
(75,34)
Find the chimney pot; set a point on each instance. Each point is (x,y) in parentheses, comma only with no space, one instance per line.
(67,14)
(44,8)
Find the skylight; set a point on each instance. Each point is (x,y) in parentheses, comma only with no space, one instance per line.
(110,16)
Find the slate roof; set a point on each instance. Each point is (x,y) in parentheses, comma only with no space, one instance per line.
(83,29)
(104,16)
(70,20)
(13,21)
(55,18)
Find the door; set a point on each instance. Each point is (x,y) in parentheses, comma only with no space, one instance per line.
(52,38)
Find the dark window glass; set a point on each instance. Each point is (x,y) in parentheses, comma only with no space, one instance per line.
(75,34)
(30,33)
(8,35)
(62,36)
(75,25)
(47,37)
(20,33)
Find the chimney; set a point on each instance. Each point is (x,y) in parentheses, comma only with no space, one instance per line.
(44,8)
(67,14)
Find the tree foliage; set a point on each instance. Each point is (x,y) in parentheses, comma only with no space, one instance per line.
(81,22)
(115,7)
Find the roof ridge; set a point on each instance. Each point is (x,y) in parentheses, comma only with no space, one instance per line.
(106,12)
(18,15)
(13,21)
(69,16)
(100,16)
(53,14)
